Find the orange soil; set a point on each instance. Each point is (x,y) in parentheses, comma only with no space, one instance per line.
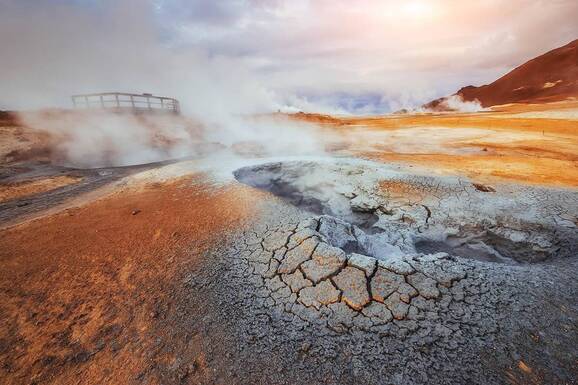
(84,294)
(488,169)
(525,150)
(23,189)
(550,160)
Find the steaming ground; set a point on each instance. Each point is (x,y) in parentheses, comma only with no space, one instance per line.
(381,251)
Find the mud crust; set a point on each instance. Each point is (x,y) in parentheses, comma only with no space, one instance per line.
(487,319)
(303,306)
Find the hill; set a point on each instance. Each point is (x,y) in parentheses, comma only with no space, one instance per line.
(550,77)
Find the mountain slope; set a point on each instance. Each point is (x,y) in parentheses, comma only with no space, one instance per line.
(550,77)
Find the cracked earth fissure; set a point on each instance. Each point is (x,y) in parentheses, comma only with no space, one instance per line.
(392,313)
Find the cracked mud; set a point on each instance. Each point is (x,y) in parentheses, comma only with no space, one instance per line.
(427,277)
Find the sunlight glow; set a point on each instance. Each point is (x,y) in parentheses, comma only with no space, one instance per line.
(418,9)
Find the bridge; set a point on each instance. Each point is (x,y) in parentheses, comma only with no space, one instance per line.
(125,102)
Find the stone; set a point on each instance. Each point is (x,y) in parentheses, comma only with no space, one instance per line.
(325,262)
(353,285)
(296,281)
(363,262)
(378,313)
(398,308)
(322,294)
(426,286)
(384,283)
(294,257)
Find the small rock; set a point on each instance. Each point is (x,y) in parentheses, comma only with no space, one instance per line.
(483,188)
(274,283)
(275,241)
(309,223)
(135,212)
(300,236)
(339,233)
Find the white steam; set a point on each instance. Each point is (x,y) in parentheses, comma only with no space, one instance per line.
(457,103)
(98,139)
(89,139)
(67,49)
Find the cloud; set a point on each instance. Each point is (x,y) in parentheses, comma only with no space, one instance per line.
(258,55)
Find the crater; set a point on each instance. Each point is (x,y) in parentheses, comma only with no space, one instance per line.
(356,220)
(309,187)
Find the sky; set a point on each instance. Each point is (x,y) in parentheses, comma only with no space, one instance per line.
(248,56)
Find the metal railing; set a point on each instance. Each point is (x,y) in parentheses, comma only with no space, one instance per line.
(124,101)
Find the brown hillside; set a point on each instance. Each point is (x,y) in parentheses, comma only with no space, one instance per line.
(550,77)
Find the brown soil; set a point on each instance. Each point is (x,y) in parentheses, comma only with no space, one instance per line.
(19,143)
(22,189)
(89,295)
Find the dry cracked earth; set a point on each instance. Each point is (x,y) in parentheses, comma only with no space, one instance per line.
(449,282)
(356,272)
